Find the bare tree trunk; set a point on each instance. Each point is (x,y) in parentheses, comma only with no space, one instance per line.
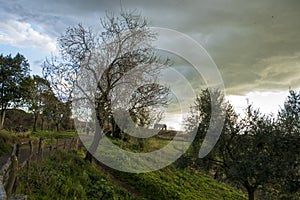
(41,149)
(42,123)
(251,192)
(116,131)
(35,121)
(2,118)
(57,127)
(251,195)
(92,149)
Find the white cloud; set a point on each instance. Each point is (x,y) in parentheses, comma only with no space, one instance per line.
(266,102)
(22,34)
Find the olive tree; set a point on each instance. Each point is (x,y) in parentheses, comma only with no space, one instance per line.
(244,152)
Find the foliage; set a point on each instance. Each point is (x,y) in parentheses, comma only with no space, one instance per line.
(258,152)
(5,147)
(37,90)
(13,71)
(199,121)
(289,116)
(16,118)
(286,148)
(246,154)
(68,176)
(53,134)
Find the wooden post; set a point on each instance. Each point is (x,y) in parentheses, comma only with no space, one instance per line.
(51,144)
(41,148)
(13,175)
(57,143)
(29,160)
(76,143)
(2,190)
(65,143)
(70,146)
(17,150)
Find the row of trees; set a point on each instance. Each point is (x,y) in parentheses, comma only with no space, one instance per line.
(33,93)
(259,152)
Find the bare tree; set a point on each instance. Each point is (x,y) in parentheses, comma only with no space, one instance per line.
(111,71)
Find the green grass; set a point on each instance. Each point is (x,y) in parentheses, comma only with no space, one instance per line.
(5,147)
(48,134)
(147,144)
(68,176)
(65,176)
(8,138)
(172,183)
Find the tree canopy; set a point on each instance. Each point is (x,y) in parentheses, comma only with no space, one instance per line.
(14,70)
(258,152)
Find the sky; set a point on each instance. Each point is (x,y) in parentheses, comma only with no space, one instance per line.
(255,44)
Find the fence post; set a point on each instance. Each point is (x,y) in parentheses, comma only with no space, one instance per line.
(2,190)
(41,148)
(29,160)
(51,144)
(65,143)
(76,143)
(70,146)
(16,182)
(12,175)
(57,143)
(17,150)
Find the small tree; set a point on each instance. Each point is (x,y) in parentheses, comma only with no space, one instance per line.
(287,147)
(246,154)
(36,90)
(200,119)
(289,115)
(13,70)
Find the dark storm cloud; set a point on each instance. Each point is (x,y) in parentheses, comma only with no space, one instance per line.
(255,44)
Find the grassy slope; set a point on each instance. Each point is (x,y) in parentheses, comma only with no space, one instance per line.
(65,176)
(68,176)
(172,183)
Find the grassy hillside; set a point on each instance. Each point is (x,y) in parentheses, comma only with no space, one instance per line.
(172,183)
(68,176)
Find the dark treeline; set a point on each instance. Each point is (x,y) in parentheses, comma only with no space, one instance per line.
(28,102)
